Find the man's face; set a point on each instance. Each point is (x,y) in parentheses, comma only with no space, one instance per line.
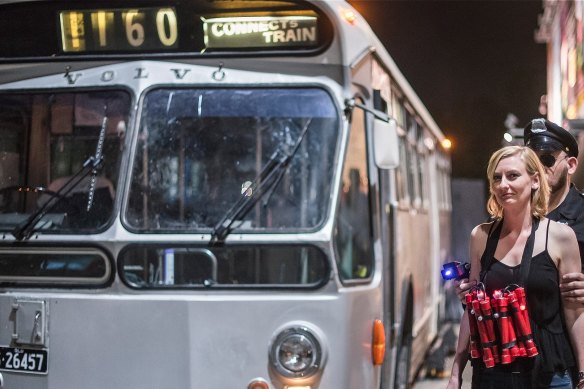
(556,168)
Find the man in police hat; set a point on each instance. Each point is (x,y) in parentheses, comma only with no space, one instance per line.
(557,149)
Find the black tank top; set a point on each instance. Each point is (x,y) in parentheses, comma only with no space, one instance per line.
(543,301)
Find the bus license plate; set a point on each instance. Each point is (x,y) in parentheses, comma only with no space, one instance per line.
(24,360)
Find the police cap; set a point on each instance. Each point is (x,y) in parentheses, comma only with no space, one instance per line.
(541,134)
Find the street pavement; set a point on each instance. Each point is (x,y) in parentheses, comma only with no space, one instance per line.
(436,371)
(441,381)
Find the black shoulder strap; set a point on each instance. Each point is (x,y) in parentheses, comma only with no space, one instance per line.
(489,254)
(528,253)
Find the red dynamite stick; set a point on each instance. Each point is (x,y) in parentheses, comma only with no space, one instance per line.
(485,344)
(508,347)
(517,349)
(495,311)
(490,326)
(523,325)
(517,321)
(475,351)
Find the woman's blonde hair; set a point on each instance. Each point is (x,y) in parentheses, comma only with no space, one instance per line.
(539,196)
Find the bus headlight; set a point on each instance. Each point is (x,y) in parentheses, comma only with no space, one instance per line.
(296,353)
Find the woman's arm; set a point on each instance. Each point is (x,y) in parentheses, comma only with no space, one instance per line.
(477,245)
(569,262)
(461,355)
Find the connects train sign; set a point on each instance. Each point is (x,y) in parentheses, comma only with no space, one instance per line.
(257,32)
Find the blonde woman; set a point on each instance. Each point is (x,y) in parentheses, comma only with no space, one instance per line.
(520,246)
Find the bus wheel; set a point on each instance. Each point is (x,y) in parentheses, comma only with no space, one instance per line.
(403,365)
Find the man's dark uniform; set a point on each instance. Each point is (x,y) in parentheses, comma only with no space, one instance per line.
(543,135)
(571,212)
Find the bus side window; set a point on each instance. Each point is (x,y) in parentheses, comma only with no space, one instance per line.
(353,236)
(401,175)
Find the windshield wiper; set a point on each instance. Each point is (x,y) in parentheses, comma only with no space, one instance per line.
(26,229)
(269,177)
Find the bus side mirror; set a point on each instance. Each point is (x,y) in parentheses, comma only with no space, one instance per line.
(385,144)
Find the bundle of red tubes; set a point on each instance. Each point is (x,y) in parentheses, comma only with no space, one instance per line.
(499,325)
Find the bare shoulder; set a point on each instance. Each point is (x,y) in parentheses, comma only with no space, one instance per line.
(561,233)
(478,241)
(478,237)
(481,232)
(563,248)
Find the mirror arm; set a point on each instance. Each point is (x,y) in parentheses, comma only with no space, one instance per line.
(351,103)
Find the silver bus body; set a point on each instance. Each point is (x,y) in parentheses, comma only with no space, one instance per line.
(211,220)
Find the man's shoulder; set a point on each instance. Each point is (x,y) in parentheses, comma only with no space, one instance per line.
(574,189)
(574,201)
(576,192)
(571,212)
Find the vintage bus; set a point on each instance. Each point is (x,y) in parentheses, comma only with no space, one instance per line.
(213,194)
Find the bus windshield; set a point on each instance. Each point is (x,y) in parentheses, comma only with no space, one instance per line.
(46,139)
(200,150)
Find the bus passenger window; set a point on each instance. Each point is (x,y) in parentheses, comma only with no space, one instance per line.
(353,235)
(276,266)
(401,175)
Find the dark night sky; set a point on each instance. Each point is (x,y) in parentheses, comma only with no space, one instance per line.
(471,63)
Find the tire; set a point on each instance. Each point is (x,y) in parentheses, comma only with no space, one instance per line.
(403,363)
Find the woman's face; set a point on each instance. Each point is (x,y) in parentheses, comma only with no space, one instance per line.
(511,184)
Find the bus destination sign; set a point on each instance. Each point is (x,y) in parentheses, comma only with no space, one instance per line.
(166,29)
(118,30)
(85,29)
(260,32)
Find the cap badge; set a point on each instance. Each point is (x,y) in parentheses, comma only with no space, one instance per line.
(538,126)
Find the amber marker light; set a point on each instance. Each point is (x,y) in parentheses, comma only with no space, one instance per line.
(349,16)
(446,143)
(258,383)
(378,344)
